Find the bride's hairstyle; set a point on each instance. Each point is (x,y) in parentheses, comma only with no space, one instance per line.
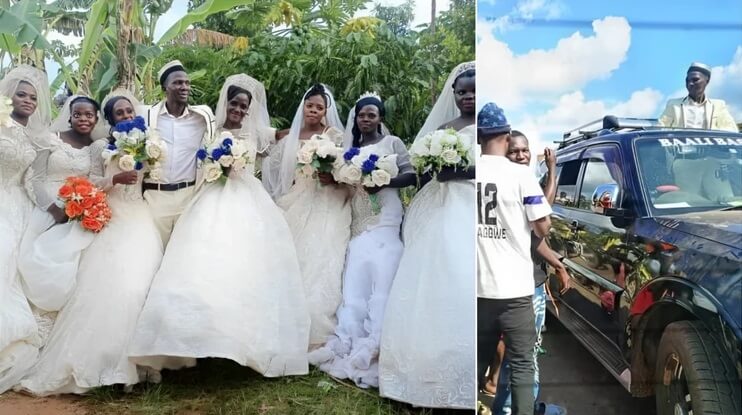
(89,100)
(469,73)
(319,89)
(235,90)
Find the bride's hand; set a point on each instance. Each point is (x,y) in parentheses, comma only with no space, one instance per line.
(58,214)
(126,177)
(326,179)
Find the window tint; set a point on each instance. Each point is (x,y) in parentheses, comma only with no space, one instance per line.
(567,183)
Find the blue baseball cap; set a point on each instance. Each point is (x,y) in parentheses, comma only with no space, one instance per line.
(491,120)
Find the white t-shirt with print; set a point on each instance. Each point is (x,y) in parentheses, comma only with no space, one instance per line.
(508,198)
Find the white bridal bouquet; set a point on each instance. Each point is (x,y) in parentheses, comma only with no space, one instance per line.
(319,153)
(136,147)
(224,153)
(439,149)
(359,166)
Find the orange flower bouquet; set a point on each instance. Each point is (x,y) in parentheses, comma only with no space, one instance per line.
(82,201)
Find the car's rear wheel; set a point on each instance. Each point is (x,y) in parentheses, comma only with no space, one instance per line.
(694,376)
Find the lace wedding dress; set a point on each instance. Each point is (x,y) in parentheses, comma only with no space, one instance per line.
(229,285)
(427,345)
(372,259)
(19,340)
(319,219)
(88,344)
(50,252)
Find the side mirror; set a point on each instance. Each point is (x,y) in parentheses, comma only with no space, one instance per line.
(605,198)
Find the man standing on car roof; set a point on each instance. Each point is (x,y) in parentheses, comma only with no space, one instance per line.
(697,110)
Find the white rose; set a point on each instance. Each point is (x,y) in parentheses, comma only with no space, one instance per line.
(155,174)
(108,154)
(238,148)
(153,150)
(127,162)
(450,157)
(212,172)
(226,161)
(436,148)
(339,161)
(350,174)
(239,164)
(311,145)
(304,156)
(389,164)
(326,148)
(367,181)
(381,177)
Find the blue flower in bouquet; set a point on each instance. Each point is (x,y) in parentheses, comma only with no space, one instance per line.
(201,154)
(138,165)
(352,152)
(368,166)
(140,124)
(227,142)
(128,125)
(226,150)
(111,147)
(217,154)
(373,157)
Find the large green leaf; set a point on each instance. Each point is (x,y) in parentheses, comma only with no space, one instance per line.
(23,21)
(197,15)
(99,13)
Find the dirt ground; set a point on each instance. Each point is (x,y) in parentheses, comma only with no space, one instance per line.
(12,403)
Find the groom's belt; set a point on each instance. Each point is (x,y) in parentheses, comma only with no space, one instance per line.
(168,187)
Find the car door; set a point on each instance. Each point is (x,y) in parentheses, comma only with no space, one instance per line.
(597,269)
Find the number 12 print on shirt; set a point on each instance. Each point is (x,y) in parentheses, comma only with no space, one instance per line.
(487,212)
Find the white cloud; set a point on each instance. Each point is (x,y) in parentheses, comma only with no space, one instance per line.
(547,73)
(573,110)
(726,84)
(526,10)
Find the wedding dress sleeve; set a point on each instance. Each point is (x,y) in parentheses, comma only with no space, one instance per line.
(36,175)
(265,138)
(403,157)
(97,166)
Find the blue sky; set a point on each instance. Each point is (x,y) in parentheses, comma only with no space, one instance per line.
(549,76)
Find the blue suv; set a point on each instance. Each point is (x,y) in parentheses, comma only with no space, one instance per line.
(649,223)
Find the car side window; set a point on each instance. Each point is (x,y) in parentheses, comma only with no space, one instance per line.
(567,176)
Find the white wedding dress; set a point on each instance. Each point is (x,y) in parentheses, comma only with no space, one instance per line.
(87,347)
(19,339)
(319,218)
(427,344)
(372,259)
(229,286)
(50,252)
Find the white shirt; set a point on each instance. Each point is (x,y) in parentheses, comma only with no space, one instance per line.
(182,136)
(694,113)
(508,199)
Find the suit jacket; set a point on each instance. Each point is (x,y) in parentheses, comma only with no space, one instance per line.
(151,113)
(717,115)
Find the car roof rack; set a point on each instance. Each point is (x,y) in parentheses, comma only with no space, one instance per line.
(609,123)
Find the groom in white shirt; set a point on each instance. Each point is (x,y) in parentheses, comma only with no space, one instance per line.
(184,129)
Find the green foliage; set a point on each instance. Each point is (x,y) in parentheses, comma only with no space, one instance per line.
(399,68)
(397,18)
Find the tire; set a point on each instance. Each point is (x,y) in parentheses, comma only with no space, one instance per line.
(702,379)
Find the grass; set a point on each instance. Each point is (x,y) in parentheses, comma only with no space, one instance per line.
(217,387)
